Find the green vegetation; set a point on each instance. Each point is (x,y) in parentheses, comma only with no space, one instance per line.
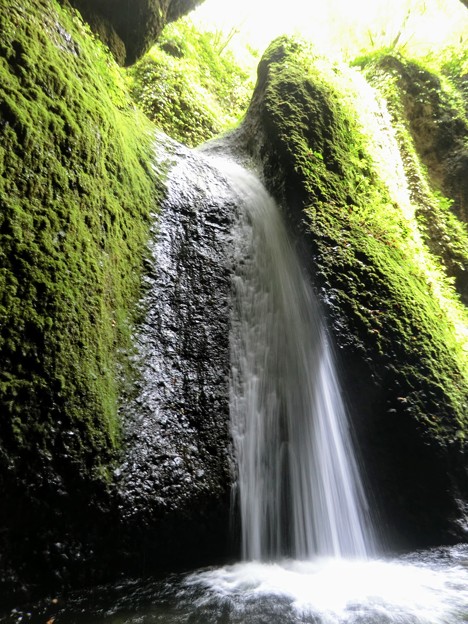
(190,85)
(414,28)
(431,127)
(76,190)
(452,62)
(387,292)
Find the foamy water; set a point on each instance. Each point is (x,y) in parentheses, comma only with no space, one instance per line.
(339,591)
(429,587)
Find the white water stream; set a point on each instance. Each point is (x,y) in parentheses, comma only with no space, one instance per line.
(299,489)
(307,543)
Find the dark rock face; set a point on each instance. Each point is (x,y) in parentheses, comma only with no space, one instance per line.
(130,28)
(177,468)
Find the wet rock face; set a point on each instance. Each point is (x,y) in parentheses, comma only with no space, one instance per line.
(169,501)
(177,463)
(130,28)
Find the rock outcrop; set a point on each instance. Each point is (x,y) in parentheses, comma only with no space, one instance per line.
(130,28)
(405,373)
(175,476)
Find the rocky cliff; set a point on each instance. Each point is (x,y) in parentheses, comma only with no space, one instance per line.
(431,123)
(76,192)
(404,362)
(114,446)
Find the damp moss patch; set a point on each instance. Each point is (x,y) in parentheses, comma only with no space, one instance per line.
(76,191)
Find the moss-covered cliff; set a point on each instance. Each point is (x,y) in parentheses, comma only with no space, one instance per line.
(189,85)
(76,191)
(398,325)
(430,121)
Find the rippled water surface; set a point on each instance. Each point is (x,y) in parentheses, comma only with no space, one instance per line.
(429,587)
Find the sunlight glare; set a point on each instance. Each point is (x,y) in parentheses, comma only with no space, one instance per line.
(338,26)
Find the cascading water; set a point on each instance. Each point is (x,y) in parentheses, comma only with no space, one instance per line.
(299,488)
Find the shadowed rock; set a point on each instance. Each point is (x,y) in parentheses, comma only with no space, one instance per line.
(130,28)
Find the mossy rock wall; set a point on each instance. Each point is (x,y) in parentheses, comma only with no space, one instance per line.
(437,123)
(189,86)
(429,116)
(76,191)
(403,363)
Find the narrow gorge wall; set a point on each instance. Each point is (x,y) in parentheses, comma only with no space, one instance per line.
(76,191)
(114,448)
(429,117)
(175,477)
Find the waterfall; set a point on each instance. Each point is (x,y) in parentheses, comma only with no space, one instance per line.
(298,488)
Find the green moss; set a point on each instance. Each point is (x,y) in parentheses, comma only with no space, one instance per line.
(388,295)
(75,193)
(431,128)
(190,87)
